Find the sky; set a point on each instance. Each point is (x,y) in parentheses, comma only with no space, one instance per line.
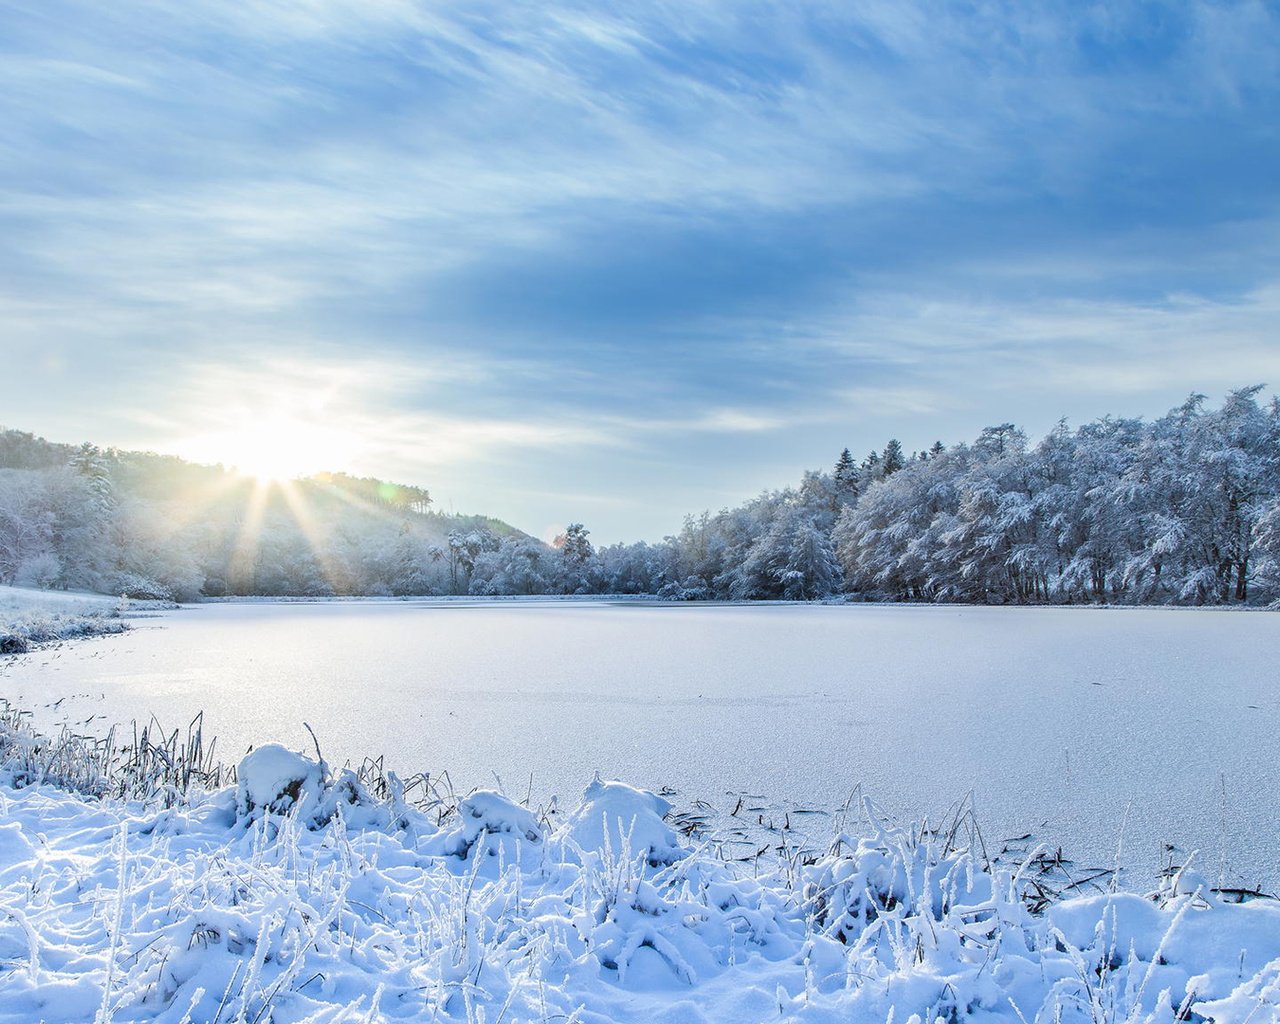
(614,263)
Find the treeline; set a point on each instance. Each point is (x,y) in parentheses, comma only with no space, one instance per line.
(1181,510)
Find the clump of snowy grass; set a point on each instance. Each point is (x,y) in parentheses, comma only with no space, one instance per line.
(304,895)
(154,765)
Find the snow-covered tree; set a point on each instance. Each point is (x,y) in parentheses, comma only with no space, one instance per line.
(812,569)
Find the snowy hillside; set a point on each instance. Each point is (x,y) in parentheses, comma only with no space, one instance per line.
(299,895)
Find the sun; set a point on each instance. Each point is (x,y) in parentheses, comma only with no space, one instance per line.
(275,447)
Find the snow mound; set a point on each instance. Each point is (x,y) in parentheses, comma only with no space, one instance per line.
(273,780)
(14,847)
(496,824)
(618,819)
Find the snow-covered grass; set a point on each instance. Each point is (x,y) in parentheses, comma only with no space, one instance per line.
(30,617)
(301,894)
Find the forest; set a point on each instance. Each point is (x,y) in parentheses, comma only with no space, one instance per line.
(1184,509)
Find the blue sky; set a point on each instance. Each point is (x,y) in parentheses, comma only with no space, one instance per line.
(615,263)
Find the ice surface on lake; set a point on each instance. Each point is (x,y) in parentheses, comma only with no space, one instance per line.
(1063,722)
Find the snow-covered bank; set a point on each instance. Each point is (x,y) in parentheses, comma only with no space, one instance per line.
(30,617)
(300,895)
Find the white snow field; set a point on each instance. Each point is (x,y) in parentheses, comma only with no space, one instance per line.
(30,617)
(297,896)
(1093,729)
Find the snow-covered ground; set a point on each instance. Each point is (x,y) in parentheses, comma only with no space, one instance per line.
(30,617)
(1090,728)
(297,895)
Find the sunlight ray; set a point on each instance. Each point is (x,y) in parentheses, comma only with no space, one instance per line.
(244,555)
(319,543)
(382,512)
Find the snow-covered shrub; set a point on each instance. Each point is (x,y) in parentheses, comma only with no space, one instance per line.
(494,824)
(891,873)
(137,586)
(614,817)
(694,588)
(276,780)
(273,780)
(685,923)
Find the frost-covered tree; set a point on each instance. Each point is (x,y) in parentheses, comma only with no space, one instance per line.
(1197,487)
(579,570)
(892,543)
(25,527)
(812,569)
(520,565)
(847,479)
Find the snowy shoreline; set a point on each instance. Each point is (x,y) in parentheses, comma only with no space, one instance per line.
(84,614)
(652,601)
(33,618)
(305,895)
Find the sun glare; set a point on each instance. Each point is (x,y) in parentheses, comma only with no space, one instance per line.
(276,448)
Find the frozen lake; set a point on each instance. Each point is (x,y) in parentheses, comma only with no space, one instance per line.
(1061,721)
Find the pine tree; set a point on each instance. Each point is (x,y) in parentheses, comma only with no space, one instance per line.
(893,459)
(847,478)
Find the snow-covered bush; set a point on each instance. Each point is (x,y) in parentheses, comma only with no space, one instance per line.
(616,818)
(275,781)
(494,825)
(137,586)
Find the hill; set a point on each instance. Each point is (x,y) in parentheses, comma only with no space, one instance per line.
(150,525)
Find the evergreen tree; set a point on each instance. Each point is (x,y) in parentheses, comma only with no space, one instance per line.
(847,478)
(893,459)
(92,464)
